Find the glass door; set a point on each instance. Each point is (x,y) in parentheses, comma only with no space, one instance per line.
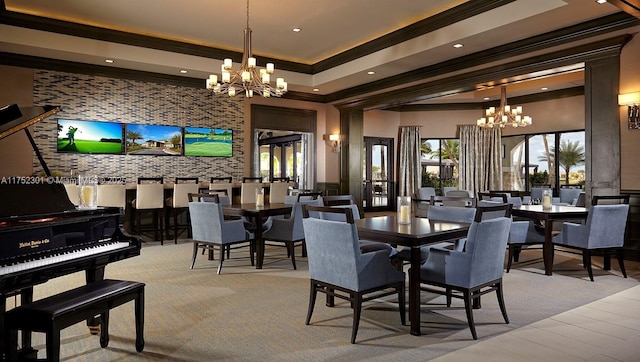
(379,189)
(283,156)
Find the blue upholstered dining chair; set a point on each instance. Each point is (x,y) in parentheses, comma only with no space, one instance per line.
(422,199)
(209,229)
(338,268)
(603,232)
(442,213)
(289,231)
(365,245)
(473,272)
(522,234)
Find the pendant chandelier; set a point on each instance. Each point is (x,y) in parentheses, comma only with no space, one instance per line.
(504,115)
(248,79)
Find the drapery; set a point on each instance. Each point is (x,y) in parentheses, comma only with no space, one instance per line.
(480,159)
(409,161)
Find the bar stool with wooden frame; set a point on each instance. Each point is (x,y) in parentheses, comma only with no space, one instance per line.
(179,204)
(149,199)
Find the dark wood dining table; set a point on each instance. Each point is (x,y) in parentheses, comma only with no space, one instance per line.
(419,232)
(258,214)
(549,216)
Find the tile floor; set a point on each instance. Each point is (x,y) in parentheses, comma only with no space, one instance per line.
(605,330)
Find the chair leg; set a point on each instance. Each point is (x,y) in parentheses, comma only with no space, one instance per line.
(448,293)
(510,257)
(468,308)
(312,301)
(516,253)
(222,247)
(331,300)
(503,309)
(621,261)
(357,309)
(291,251)
(251,251)
(175,227)
(586,257)
(195,253)
(401,304)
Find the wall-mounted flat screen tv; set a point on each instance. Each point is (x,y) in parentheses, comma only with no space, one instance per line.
(93,137)
(208,142)
(154,140)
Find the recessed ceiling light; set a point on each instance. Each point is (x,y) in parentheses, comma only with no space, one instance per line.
(544,88)
(183,71)
(108,60)
(296,30)
(316,90)
(458,45)
(601,1)
(371,72)
(486,98)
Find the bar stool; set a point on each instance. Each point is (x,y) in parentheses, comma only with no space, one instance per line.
(149,199)
(252,179)
(112,195)
(278,191)
(179,204)
(222,186)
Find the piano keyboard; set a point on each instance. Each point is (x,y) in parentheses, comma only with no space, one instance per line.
(94,249)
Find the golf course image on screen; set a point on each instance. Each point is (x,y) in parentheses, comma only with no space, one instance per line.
(92,137)
(208,142)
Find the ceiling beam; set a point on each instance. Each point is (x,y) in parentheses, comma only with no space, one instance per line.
(631,7)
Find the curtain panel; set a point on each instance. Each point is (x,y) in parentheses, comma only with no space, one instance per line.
(480,158)
(409,161)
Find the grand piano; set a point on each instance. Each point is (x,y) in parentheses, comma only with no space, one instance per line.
(43,235)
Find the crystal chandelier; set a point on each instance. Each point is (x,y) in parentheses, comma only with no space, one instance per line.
(504,115)
(248,79)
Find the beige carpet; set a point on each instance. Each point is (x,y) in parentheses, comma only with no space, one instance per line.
(248,314)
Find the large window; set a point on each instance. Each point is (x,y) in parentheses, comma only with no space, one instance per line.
(440,162)
(530,160)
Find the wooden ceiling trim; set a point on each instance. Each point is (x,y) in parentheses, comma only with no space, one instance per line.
(468,82)
(563,36)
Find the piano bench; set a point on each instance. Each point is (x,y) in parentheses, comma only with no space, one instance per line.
(52,314)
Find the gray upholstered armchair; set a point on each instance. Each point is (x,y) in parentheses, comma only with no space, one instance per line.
(603,232)
(443,213)
(338,268)
(422,198)
(209,229)
(289,231)
(365,245)
(475,271)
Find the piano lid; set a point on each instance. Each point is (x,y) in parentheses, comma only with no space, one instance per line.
(14,118)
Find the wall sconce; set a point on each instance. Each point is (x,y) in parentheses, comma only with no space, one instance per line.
(333,140)
(631,100)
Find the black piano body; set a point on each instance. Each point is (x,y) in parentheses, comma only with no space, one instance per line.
(38,246)
(44,236)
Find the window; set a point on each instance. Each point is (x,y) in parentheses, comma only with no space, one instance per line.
(440,162)
(529,160)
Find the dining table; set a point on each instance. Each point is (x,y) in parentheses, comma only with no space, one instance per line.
(548,216)
(419,232)
(258,214)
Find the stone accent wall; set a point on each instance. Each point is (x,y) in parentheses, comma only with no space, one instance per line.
(128,101)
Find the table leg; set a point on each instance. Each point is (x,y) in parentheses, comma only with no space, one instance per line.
(547,249)
(414,292)
(259,243)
